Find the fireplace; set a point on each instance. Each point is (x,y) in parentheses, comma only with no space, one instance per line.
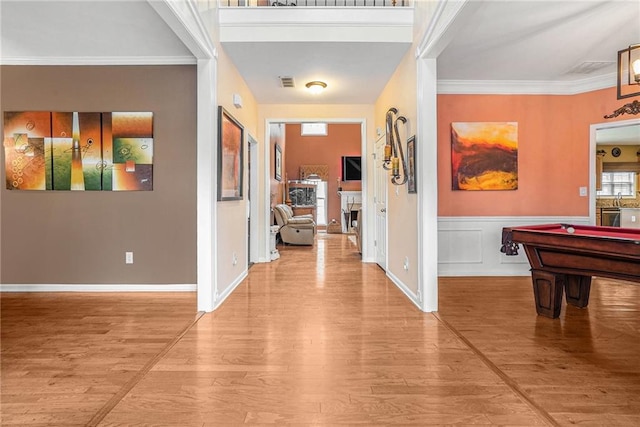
(350,203)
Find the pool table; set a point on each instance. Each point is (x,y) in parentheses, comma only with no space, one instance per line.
(564,256)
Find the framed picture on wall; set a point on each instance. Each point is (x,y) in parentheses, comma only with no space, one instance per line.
(230,156)
(411,166)
(278,164)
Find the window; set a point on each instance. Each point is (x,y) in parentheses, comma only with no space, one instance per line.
(311,129)
(614,183)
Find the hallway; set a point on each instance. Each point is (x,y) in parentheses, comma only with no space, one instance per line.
(319,338)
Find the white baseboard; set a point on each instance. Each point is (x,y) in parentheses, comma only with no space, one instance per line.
(102,287)
(219,299)
(408,292)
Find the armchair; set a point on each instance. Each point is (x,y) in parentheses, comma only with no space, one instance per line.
(295,230)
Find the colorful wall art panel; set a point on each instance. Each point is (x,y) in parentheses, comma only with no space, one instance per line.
(484,156)
(78,151)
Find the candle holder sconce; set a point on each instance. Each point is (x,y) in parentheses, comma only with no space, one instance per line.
(393,153)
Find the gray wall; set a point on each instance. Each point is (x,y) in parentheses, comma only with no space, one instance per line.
(81,237)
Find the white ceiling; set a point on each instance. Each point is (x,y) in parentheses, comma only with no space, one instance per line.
(86,31)
(540,40)
(355,73)
(501,41)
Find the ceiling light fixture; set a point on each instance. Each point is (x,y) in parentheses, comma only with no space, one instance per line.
(316,86)
(628,80)
(629,71)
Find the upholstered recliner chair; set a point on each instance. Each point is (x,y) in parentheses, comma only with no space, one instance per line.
(295,230)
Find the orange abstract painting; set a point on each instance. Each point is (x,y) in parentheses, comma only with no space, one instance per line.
(484,156)
(78,151)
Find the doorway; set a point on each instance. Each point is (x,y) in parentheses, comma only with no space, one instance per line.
(333,182)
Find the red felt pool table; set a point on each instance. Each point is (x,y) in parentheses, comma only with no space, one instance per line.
(564,256)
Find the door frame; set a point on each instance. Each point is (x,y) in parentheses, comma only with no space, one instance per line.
(367,251)
(592,159)
(254,191)
(378,170)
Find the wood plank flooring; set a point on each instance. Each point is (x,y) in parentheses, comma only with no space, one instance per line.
(319,338)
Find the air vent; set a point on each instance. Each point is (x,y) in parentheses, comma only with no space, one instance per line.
(590,67)
(286,81)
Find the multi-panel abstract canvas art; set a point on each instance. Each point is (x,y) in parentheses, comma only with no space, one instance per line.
(78,151)
(484,156)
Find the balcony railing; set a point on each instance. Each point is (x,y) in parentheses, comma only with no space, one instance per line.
(314,3)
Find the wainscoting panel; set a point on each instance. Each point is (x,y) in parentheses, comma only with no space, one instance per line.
(460,246)
(470,246)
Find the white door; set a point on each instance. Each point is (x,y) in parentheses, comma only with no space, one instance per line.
(380,205)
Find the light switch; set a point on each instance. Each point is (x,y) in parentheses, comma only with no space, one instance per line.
(583,191)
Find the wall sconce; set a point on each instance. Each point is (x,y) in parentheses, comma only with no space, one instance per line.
(393,153)
(316,87)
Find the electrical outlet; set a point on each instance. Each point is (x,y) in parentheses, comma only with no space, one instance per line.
(406,263)
(128,257)
(234,259)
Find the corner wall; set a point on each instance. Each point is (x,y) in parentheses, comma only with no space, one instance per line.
(553,163)
(81,237)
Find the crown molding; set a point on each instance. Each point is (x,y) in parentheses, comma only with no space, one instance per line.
(100,60)
(525,87)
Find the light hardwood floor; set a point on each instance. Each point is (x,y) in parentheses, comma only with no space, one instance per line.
(318,338)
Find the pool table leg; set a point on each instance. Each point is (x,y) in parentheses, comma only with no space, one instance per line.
(547,290)
(577,290)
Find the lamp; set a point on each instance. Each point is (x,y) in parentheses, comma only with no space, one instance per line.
(316,86)
(628,80)
(634,69)
(629,71)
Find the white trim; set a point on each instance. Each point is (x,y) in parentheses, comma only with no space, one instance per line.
(592,158)
(316,16)
(427,157)
(253,203)
(185,21)
(99,60)
(224,295)
(525,87)
(522,220)
(408,292)
(103,287)
(207,182)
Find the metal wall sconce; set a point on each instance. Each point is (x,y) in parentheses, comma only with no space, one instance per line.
(393,153)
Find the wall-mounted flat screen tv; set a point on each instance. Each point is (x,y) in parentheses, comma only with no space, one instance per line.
(351,168)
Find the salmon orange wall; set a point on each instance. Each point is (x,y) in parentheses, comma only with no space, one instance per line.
(343,139)
(553,151)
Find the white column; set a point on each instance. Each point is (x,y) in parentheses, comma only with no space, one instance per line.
(427,158)
(207,182)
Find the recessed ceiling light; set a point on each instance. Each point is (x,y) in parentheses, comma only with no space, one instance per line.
(316,86)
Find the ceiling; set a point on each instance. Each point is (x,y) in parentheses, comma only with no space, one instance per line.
(543,41)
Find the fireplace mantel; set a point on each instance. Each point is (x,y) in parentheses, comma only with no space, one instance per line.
(350,201)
